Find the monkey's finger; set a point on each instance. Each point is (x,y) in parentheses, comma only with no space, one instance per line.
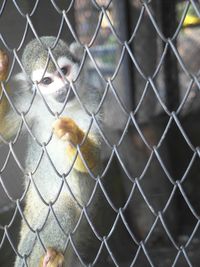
(65,123)
(58,261)
(53,258)
(67,130)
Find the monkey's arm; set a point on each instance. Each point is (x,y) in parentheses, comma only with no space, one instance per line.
(4,63)
(67,130)
(9,125)
(8,120)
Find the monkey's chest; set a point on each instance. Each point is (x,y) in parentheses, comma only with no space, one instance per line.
(48,158)
(49,165)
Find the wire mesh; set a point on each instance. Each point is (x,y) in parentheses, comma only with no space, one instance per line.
(140,244)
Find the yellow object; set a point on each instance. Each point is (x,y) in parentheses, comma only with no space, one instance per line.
(191,21)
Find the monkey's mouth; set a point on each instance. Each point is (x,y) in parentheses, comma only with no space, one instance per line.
(62,93)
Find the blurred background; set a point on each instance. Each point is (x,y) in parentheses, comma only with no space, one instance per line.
(145,56)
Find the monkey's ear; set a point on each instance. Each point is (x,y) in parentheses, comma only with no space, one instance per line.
(76,50)
(20,77)
(22,81)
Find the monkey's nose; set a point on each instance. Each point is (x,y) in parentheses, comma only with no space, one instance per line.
(61,95)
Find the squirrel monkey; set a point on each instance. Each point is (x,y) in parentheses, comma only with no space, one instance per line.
(63,145)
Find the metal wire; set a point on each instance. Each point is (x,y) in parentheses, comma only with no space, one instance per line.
(136,182)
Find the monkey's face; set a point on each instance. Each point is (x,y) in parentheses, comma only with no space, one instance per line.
(54,84)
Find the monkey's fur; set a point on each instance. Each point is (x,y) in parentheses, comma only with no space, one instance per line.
(54,201)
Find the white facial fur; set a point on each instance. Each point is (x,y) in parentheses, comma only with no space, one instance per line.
(58,81)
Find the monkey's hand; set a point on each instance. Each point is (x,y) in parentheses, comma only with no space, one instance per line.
(68,131)
(52,258)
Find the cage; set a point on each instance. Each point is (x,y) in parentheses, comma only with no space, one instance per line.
(142,207)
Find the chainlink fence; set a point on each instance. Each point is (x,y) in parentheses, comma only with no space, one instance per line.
(144,58)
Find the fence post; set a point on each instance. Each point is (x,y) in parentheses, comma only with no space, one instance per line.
(169,26)
(122,25)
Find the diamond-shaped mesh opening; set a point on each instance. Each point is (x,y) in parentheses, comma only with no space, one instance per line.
(110,175)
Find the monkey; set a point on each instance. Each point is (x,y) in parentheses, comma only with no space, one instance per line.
(59,111)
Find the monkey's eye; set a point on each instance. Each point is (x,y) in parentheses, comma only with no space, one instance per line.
(46,81)
(66,69)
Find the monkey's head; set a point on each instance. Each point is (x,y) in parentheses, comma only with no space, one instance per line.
(52,73)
